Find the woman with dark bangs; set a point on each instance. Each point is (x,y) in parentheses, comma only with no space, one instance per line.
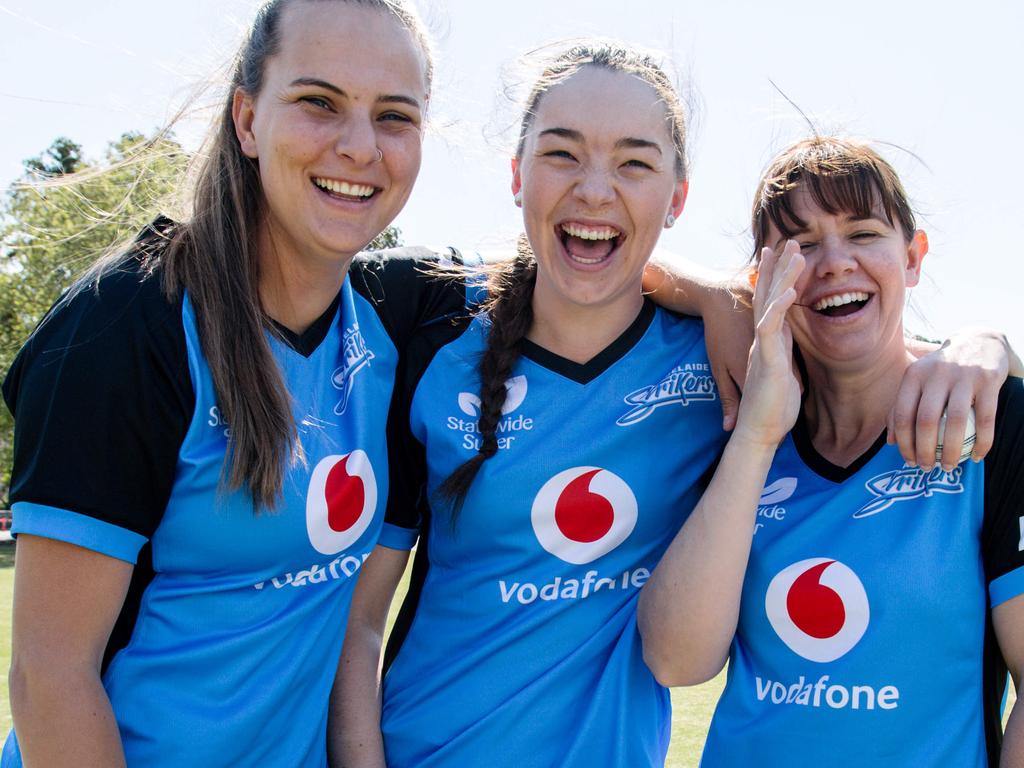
(869,607)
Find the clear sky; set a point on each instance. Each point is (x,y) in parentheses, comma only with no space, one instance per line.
(939,80)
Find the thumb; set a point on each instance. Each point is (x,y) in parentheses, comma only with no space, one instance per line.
(730,396)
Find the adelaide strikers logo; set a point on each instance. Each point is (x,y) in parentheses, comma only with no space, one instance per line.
(684,384)
(818,608)
(357,356)
(909,483)
(340,502)
(583,513)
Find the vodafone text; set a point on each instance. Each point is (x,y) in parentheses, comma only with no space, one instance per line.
(341,567)
(570,589)
(823,693)
(470,430)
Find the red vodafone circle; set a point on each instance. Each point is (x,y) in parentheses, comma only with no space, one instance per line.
(818,607)
(583,513)
(816,610)
(340,501)
(345,497)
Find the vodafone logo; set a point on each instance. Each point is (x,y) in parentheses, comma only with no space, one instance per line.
(583,513)
(340,502)
(819,608)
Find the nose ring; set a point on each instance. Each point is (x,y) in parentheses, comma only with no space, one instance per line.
(380,155)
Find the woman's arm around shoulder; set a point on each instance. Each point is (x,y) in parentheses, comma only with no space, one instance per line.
(353,734)
(721,301)
(965,371)
(66,600)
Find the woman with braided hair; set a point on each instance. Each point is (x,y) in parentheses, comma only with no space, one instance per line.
(545,453)
(538,431)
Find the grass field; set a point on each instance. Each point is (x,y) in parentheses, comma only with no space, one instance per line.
(692,706)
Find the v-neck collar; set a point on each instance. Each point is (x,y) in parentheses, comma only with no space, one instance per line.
(307,342)
(822,466)
(584,373)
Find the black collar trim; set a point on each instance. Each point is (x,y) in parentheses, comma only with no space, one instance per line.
(307,342)
(822,466)
(584,373)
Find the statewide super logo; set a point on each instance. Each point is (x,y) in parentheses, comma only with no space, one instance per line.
(583,513)
(356,357)
(340,502)
(509,424)
(772,495)
(818,608)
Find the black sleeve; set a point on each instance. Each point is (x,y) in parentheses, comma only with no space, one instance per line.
(410,289)
(101,397)
(1003,528)
(408,506)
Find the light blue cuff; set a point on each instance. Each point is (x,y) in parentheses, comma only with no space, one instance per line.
(1006,587)
(74,528)
(394,537)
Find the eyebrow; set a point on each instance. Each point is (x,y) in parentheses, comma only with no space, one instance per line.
(392,98)
(625,143)
(847,218)
(870,217)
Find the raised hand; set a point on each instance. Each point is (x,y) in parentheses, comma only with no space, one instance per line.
(771,397)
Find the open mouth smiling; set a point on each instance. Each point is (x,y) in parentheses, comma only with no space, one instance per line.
(841,304)
(589,245)
(344,190)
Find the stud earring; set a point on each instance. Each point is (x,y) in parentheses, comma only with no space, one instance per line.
(518,199)
(669,221)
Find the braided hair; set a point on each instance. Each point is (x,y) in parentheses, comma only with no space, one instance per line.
(511,284)
(509,308)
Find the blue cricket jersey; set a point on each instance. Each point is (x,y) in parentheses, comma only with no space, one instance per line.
(225,651)
(864,635)
(517,645)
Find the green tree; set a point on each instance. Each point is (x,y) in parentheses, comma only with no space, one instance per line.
(391,237)
(53,226)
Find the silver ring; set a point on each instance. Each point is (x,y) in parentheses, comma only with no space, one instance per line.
(380,155)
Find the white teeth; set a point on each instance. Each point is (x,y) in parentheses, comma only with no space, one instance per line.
(839,300)
(590,233)
(581,260)
(344,188)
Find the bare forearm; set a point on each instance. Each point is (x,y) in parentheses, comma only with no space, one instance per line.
(354,737)
(63,718)
(683,285)
(689,608)
(1012,755)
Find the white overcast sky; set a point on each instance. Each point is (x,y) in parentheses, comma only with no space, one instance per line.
(940,80)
